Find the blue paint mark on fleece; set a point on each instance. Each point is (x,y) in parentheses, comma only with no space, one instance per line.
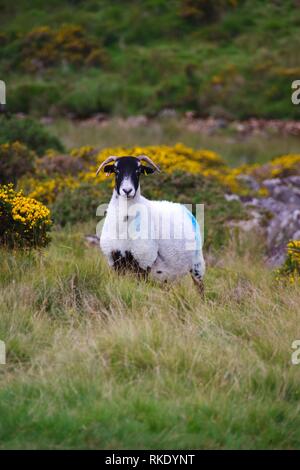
(196,229)
(138,222)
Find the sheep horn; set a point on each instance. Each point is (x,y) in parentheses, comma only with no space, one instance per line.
(112,158)
(148,160)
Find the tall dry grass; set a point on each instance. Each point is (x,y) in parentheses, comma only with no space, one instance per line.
(100,361)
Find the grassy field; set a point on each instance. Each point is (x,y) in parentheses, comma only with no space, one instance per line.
(100,361)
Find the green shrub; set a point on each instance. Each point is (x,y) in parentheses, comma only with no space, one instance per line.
(290,270)
(86,98)
(24,222)
(15,161)
(45,47)
(30,132)
(79,204)
(201,11)
(39,98)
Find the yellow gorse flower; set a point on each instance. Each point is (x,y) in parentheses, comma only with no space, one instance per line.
(29,211)
(290,271)
(46,190)
(23,219)
(293,250)
(171,159)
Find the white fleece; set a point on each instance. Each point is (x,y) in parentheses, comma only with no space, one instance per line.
(162,236)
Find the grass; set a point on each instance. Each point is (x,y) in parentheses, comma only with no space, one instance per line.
(235,149)
(100,361)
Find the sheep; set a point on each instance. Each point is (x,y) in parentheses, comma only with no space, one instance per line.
(157,238)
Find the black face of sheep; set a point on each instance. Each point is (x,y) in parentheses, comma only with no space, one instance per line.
(127,172)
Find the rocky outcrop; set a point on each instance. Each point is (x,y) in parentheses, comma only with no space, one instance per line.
(277,215)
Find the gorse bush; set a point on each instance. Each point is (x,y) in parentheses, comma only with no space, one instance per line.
(290,270)
(24,222)
(29,132)
(287,165)
(46,189)
(182,158)
(15,161)
(53,164)
(87,153)
(201,11)
(279,167)
(44,47)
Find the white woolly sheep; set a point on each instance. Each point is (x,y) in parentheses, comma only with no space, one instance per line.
(158,238)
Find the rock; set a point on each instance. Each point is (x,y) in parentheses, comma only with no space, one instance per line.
(92,240)
(283,205)
(276,257)
(232,197)
(249,181)
(296,235)
(136,121)
(272,183)
(167,113)
(46,120)
(190,115)
(254,223)
(295,180)
(285,190)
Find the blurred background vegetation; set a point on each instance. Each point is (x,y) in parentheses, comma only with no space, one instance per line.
(224,58)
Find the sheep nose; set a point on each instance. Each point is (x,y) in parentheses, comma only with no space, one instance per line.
(127,191)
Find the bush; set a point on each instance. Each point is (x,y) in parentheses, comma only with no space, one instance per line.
(291,269)
(201,11)
(29,132)
(46,189)
(280,167)
(86,154)
(44,47)
(15,161)
(53,164)
(40,98)
(79,204)
(24,222)
(185,159)
(85,98)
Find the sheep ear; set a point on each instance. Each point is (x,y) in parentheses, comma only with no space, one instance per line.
(147,170)
(108,169)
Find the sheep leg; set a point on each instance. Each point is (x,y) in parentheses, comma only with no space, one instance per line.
(200,286)
(198,281)
(125,263)
(118,262)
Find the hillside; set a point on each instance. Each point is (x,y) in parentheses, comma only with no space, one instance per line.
(228,58)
